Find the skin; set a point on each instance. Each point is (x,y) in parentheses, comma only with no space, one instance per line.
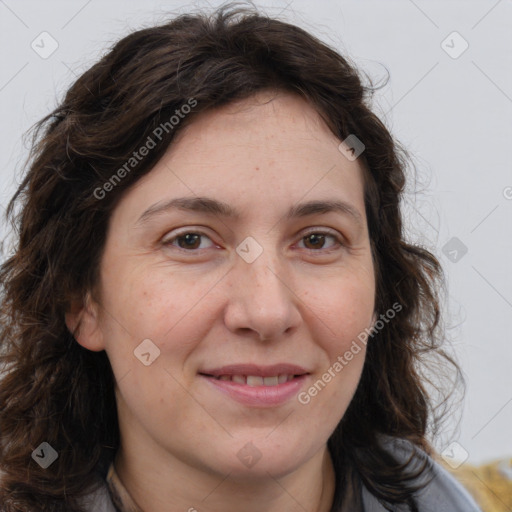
(300,301)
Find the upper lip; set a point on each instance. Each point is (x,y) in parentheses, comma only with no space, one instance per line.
(256,370)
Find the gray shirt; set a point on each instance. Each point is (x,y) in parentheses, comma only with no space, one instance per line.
(442,494)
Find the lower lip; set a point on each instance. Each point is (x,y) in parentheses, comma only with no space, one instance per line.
(261,396)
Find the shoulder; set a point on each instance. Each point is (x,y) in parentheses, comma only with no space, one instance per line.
(442,492)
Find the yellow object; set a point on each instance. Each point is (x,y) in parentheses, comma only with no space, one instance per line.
(489,484)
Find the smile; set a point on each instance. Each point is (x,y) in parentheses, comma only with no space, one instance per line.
(257,391)
(256,380)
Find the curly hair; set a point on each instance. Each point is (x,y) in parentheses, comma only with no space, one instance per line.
(54,390)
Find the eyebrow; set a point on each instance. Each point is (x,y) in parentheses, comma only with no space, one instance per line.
(214,207)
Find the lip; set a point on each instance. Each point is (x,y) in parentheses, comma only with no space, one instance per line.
(258,396)
(257,370)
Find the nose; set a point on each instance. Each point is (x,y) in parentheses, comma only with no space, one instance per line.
(262,302)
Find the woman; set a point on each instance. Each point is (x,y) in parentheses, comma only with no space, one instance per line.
(211,305)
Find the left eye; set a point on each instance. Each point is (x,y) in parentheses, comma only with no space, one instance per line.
(317,239)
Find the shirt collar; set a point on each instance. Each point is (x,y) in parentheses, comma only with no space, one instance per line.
(120,496)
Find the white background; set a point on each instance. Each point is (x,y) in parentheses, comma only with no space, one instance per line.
(453,114)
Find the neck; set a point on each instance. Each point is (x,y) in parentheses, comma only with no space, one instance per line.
(159,483)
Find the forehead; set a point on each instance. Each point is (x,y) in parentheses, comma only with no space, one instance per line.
(266,120)
(272,148)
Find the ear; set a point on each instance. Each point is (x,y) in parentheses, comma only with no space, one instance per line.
(82,321)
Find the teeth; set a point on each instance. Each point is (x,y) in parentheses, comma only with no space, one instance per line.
(255,380)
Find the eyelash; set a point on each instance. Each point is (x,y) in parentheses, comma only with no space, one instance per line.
(169,242)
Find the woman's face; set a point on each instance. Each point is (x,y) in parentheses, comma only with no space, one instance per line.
(278,292)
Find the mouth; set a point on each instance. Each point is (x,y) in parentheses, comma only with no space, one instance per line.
(255,380)
(254,385)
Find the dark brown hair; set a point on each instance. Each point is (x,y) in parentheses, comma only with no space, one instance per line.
(56,391)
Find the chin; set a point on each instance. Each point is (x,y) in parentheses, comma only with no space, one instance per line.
(259,458)
(263,470)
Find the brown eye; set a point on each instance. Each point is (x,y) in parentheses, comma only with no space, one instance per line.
(316,240)
(189,240)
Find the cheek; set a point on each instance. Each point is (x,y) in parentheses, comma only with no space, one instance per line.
(170,310)
(341,316)
(151,303)
(342,309)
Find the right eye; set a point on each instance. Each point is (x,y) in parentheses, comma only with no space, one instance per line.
(189,241)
